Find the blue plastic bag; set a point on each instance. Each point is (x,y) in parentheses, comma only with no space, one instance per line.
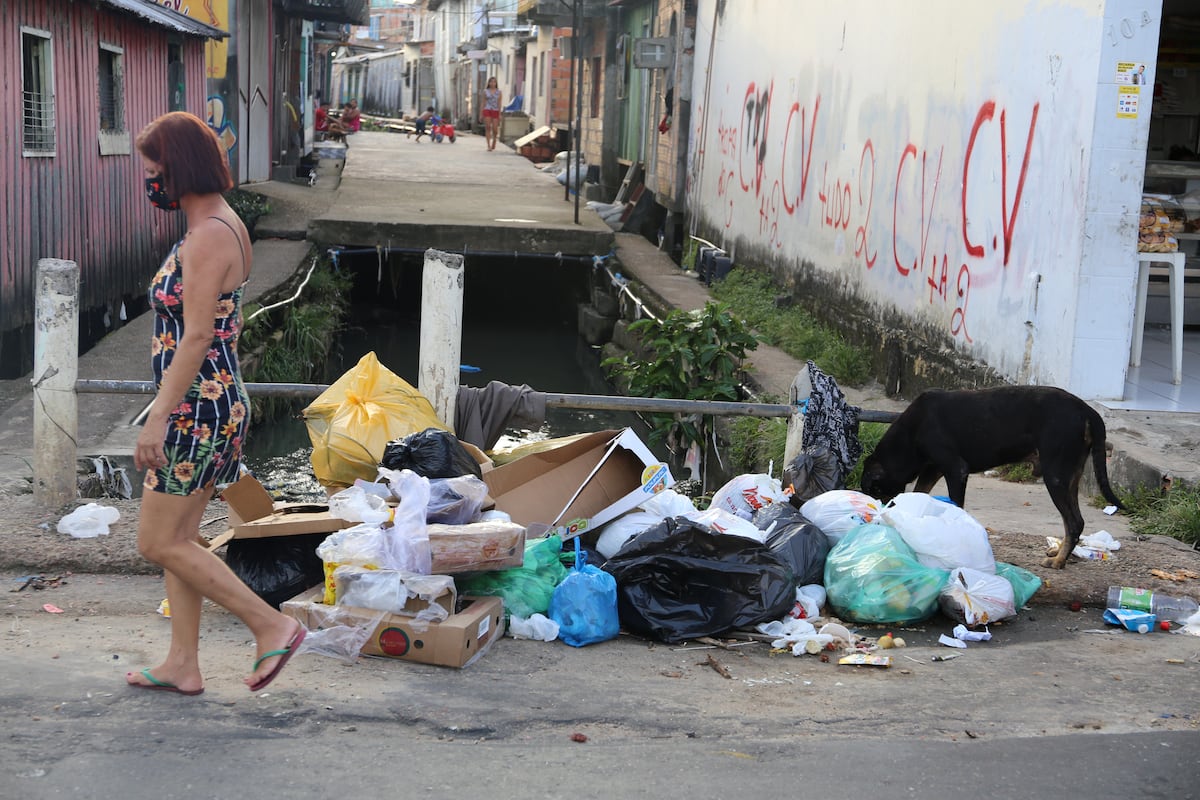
(585,604)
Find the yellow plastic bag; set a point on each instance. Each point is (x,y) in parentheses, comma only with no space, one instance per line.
(354,419)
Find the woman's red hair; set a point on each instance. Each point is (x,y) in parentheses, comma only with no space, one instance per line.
(192,158)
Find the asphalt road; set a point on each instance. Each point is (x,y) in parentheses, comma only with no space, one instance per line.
(1056,704)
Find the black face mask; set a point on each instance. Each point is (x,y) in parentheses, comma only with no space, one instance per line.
(157,194)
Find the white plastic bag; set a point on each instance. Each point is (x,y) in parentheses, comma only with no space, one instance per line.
(343,642)
(536,626)
(840,511)
(722,521)
(942,535)
(977,598)
(668,503)
(356,504)
(745,494)
(89,521)
(615,534)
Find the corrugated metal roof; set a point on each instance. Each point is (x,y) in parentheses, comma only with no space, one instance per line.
(168,18)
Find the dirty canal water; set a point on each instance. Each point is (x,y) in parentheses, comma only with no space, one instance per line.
(530,340)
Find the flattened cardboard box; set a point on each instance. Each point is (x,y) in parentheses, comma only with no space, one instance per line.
(454,642)
(253,514)
(581,485)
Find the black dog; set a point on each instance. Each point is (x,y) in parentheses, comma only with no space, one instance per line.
(955,433)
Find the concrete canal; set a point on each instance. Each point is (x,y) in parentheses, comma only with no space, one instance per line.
(519,328)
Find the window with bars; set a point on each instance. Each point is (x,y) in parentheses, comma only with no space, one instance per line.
(176,78)
(37,93)
(114,138)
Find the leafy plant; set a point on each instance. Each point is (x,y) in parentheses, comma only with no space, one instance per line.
(247,205)
(1174,513)
(694,356)
(290,344)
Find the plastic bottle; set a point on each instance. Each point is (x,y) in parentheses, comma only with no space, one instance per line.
(1163,606)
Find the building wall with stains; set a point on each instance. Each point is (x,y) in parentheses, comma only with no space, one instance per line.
(72,201)
(957,187)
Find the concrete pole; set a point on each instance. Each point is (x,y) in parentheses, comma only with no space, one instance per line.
(55,367)
(441,332)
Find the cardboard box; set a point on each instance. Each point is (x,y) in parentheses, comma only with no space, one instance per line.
(476,547)
(581,485)
(253,514)
(455,642)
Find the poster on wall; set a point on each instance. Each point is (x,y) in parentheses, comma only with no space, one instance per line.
(1127,102)
(1131,73)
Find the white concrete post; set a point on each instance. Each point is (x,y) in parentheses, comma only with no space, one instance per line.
(441,332)
(55,367)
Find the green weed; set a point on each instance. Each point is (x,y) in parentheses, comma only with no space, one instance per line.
(750,296)
(1174,513)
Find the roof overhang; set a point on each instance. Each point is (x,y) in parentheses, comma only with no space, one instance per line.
(165,17)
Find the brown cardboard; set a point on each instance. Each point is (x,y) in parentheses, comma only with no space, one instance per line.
(580,485)
(476,547)
(253,514)
(455,642)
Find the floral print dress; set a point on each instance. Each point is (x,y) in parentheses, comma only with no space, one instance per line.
(206,430)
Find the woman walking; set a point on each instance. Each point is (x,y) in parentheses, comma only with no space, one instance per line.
(192,438)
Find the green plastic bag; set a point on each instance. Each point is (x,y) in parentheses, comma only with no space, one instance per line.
(872,575)
(1024,582)
(526,589)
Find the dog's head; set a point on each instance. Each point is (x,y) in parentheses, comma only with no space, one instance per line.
(877,482)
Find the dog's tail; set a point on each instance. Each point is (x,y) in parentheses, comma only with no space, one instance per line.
(1096,424)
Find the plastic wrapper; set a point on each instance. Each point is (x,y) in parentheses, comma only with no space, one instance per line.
(277,568)
(455,501)
(585,605)
(679,580)
(745,494)
(352,421)
(795,540)
(813,472)
(391,591)
(977,598)
(343,642)
(838,512)
(526,589)
(1161,218)
(941,534)
(355,504)
(475,547)
(1024,582)
(872,575)
(403,545)
(433,452)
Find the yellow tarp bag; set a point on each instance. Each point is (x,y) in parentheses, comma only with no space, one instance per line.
(354,419)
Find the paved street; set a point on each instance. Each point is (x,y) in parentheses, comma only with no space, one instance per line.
(1047,708)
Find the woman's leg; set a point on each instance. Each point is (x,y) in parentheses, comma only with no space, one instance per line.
(169,535)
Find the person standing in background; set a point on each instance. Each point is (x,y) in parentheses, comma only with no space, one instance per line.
(491,112)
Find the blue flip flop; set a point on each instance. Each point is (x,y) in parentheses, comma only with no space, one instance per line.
(163,686)
(284,654)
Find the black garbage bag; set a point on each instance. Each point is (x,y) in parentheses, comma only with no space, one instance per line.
(815,471)
(800,544)
(680,579)
(433,453)
(277,568)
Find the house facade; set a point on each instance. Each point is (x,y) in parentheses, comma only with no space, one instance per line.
(85,78)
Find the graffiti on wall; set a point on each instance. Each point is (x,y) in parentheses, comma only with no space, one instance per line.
(800,175)
(219,121)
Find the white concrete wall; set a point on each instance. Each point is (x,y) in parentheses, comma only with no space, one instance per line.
(963,165)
